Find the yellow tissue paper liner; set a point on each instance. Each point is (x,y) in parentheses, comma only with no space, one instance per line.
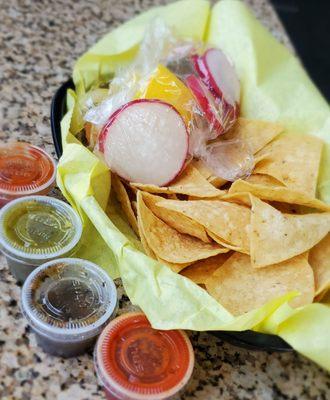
(274,87)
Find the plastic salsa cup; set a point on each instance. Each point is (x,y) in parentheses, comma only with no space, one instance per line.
(24,170)
(67,302)
(37,229)
(133,361)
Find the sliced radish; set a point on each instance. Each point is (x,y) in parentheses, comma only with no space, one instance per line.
(219,114)
(104,131)
(145,141)
(219,74)
(202,71)
(205,101)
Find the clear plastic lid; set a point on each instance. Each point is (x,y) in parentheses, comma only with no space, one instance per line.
(25,169)
(38,227)
(135,361)
(68,299)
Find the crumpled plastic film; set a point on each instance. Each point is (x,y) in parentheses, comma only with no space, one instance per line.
(132,78)
(189,18)
(274,87)
(163,69)
(230,159)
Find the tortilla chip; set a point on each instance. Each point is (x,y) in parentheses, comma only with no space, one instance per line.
(287,208)
(174,267)
(174,219)
(280,194)
(132,188)
(229,246)
(207,198)
(123,198)
(323,297)
(255,132)
(229,222)
(265,180)
(148,251)
(203,169)
(240,288)
(134,207)
(292,160)
(170,245)
(199,272)
(319,259)
(276,237)
(241,198)
(189,182)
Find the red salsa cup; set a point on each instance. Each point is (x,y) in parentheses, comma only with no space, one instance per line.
(133,361)
(24,170)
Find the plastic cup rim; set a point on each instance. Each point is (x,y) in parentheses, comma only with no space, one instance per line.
(111,385)
(58,333)
(37,189)
(7,248)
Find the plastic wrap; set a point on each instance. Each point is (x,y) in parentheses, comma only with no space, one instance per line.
(165,69)
(227,158)
(158,46)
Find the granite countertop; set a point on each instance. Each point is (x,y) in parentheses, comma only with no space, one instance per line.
(39,41)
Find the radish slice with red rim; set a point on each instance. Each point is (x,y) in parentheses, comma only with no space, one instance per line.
(220,115)
(219,74)
(200,68)
(145,141)
(222,75)
(205,101)
(104,131)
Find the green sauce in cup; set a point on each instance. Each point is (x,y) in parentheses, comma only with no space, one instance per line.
(36,229)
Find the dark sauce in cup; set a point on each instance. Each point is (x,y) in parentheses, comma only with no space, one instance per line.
(67,303)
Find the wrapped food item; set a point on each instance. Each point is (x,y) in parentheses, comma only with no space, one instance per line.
(229,159)
(216,88)
(218,73)
(129,80)
(150,145)
(211,107)
(166,86)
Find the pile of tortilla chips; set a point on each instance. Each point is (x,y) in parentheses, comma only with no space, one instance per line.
(275,87)
(258,239)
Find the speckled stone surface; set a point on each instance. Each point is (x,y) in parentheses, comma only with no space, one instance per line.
(39,41)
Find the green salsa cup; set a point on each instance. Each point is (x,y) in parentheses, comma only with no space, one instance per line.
(37,229)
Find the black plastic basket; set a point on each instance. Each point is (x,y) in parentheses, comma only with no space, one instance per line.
(247,339)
